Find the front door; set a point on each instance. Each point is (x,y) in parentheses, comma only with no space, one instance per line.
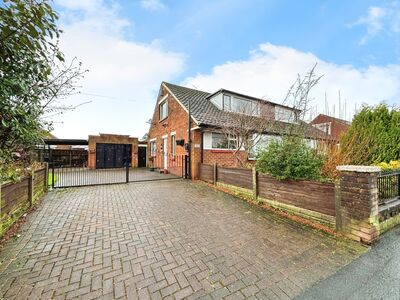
(142,152)
(165,152)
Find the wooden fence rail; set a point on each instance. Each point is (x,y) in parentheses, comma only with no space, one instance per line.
(310,195)
(17,197)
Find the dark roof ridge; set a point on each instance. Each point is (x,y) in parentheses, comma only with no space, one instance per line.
(334,118)
(182,86)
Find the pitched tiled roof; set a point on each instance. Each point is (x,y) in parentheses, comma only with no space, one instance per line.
(208,115)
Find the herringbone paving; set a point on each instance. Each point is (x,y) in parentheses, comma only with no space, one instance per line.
(162,240)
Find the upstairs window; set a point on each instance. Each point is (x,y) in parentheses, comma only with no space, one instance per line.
(222,141)
(286,115)
(163,110)
(239,105)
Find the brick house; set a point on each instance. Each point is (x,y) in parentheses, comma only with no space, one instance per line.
(168,131)
(332,127)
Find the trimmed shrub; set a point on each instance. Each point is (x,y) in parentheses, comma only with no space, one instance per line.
(290,159)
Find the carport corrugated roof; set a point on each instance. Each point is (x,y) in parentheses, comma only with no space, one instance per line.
(65,142)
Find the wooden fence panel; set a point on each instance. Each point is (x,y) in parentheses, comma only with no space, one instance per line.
(206,172)
(237,177)
(38,182)
(13,195)
(315,196)
(16,194)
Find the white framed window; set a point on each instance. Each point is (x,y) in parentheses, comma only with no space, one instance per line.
(222,141)
(163,107)
(325,127)
(227,102)
(261,142)
(240,105)
(153,148)
(311,143)
(173,144)
(286,115)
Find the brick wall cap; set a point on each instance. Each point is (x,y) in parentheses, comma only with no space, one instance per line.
(359,169)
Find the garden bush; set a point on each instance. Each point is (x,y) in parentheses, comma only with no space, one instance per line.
(392,165)
(290,159)
(373,137)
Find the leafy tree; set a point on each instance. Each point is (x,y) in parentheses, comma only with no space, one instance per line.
(33,73)
(290,159)
(373,137)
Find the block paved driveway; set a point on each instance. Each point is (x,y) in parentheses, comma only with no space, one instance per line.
(169,239)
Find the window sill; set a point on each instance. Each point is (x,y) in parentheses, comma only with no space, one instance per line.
(220,150)
(163,119)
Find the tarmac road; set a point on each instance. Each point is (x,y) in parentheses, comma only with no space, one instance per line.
(374,275)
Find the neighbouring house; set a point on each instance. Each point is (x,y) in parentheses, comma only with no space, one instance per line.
(332,127)
(168,133)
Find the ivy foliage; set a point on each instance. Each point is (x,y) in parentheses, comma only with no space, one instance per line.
(290,158)
(373,137)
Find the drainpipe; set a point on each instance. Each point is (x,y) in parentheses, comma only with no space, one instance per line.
(189,141)
(202,147)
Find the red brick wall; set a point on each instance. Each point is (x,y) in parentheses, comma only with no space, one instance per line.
(177,121)
(226,158)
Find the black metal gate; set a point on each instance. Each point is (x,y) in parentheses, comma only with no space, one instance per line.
(76,165)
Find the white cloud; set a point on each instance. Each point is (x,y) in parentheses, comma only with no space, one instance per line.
(125,73)
(380,19)
(152,5)
(271,69)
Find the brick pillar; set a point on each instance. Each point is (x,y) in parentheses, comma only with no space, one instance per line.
(357,203)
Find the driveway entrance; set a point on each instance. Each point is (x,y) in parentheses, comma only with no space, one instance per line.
(166,239)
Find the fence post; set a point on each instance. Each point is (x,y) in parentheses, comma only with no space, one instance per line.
(215,173)
(1,223)
(127,172)
(30,187)
(338,207)
(52,175)
(255,182)
(398,185)
(46,177)
(186,167)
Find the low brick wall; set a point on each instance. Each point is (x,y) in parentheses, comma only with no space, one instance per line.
(17,197)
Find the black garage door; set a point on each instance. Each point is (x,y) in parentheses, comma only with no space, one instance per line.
(112,155)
